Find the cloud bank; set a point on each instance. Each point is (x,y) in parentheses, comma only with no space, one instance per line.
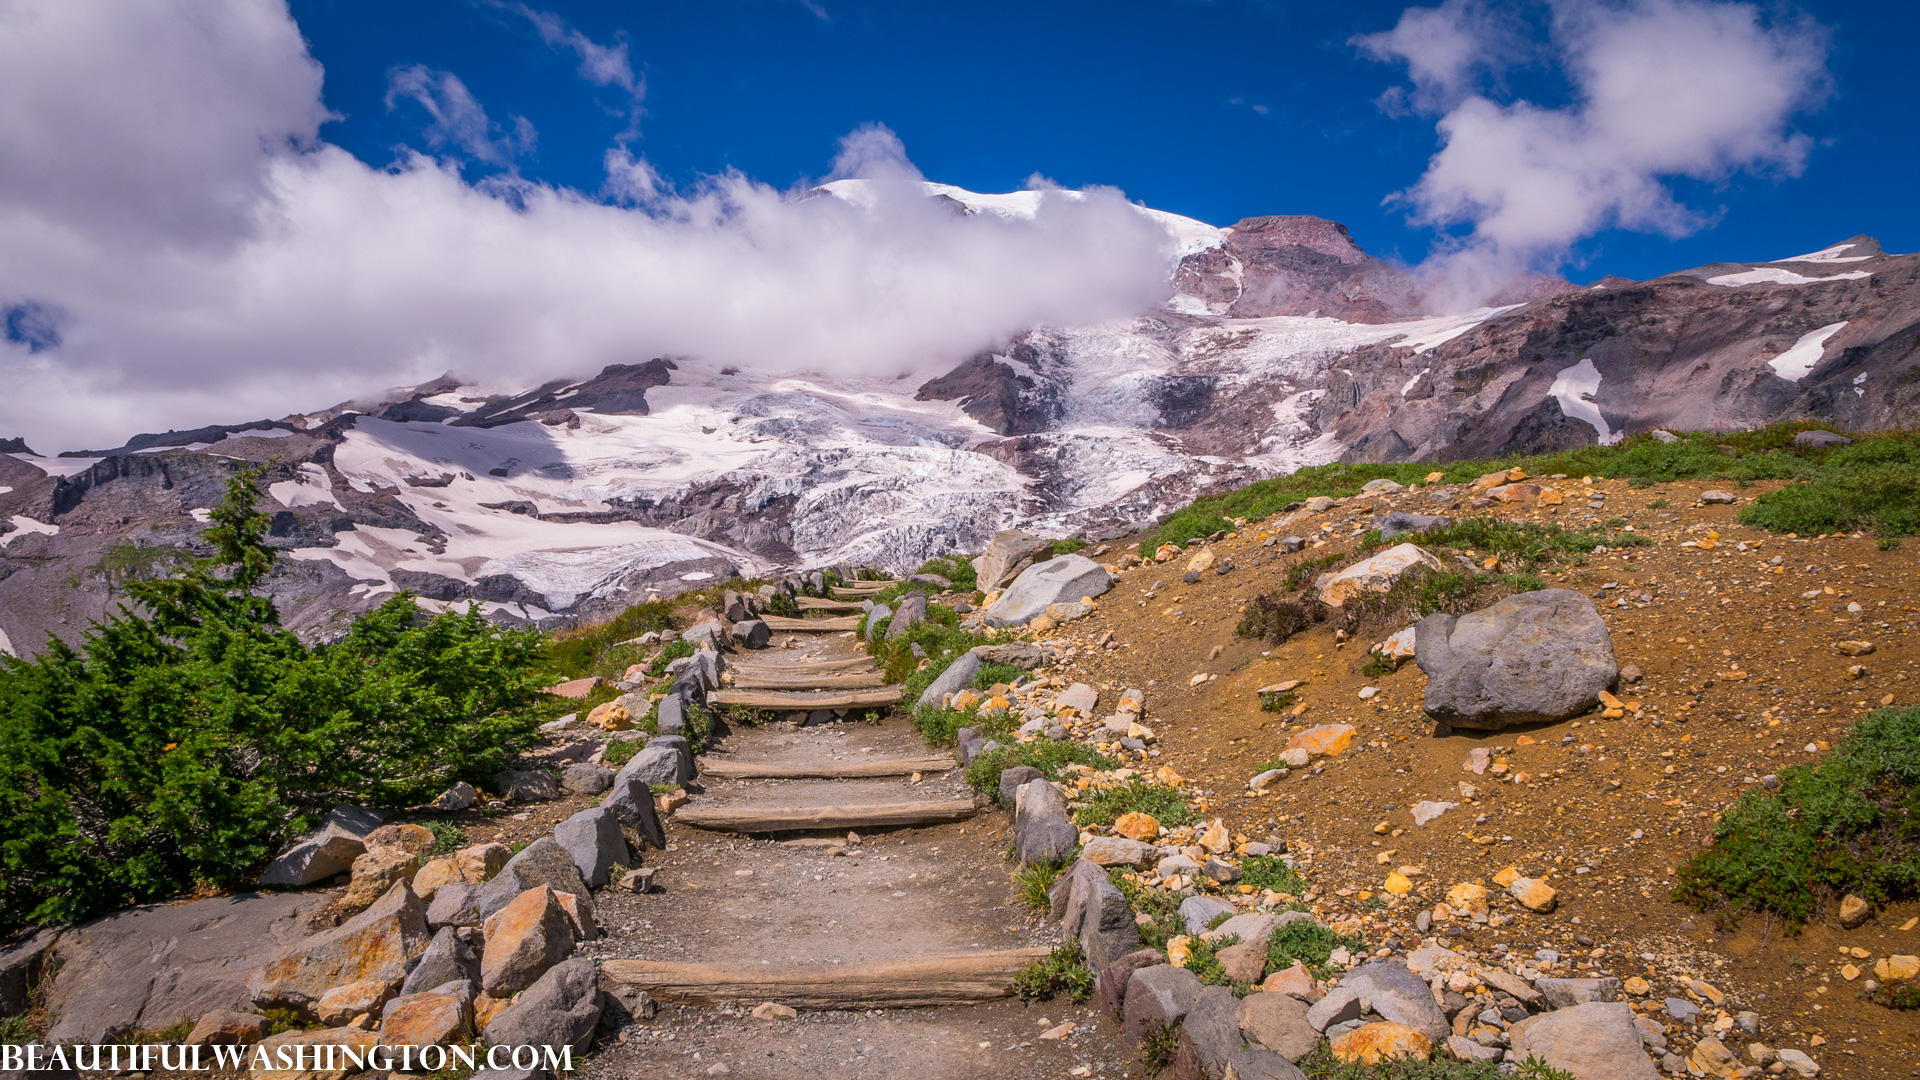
(1659,90)
(179,247)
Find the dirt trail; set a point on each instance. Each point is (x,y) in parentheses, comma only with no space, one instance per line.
(824,898)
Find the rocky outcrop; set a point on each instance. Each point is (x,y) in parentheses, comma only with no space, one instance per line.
(1530,658)
(377,945)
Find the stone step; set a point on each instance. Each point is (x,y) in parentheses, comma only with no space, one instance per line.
(775,699)
(892,984)
(779,623)
(727,769)
(851,680)
(763,818)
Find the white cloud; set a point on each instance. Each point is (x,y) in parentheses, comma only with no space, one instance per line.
(457,120)
(203,269)
(1661,89)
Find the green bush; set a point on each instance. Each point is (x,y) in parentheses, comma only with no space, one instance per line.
(621,751)
(185,739)
(446,836)
(1050,757)
(1104,806)
(1271,872)
(597,650)
(1032,883)
(1308,942)
(1848,824)
(1063,971)
(954,568)
(677,649)
(1873,484)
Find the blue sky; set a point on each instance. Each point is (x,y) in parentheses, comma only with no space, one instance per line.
(1217,110)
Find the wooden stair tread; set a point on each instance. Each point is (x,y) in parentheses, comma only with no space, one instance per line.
(808,603)
(777,699)
(781,622)
(828,681)
(777,670)
(727,769)
(762,818)
(911,982)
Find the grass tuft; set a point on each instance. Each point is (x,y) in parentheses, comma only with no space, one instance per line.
(1051,758)
(1032,883)
(1104,806)
(1063,971)
(1271,872)
(1308,942)
(446,837)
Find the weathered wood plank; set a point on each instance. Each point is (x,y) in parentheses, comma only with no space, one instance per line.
(727,769)
(858,662)
(808,603)
(829,681)
(781,622)
(775,699)
(895,984)
(755,818)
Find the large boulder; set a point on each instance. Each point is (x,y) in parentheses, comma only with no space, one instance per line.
(375,872)
(1043,835)
(150,967)
(328,850)
(1067,898)
(1197,911)
(1400,996)
(594,840)
(1056,581)
(1375,574)
(1279,1023)
(1107,930)
(1211,1043)
(1157,997)
(560,1009)
(1400,523)
(449,958)
(1023,654)
(1110,989)
(1532,658)
(585,778)
(751,634)
(542,862)
(1594,1041)
(958,676)
(529,785)
(21,965)
(632,803)
(1008,553)
(653,765)
(379,944)
(877,616)
(1012,779)
(441,1016)
(456,903)
(524,939)
(912,610)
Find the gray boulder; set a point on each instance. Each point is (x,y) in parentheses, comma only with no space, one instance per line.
(1532,658)
(1209,1033)
(1401,523)
(1008,553)
(1197,911)
(1157,997)
(654,765)
(912,610)
(585,778)
(670,715)
(328,850)
(449,958)
(1110,989)
(1056,581)
(877,616)
(21,965)
(632,803)
(958,676)
(1067,898)
(150,967)
(457,903)
(592,837)
(1340,1006)
(560,1009)
(1566,993)
(933,581)
(1594,1041)
(706,667)
(1023,654)
(1821,439)
(1011,780)
(751,634)
(1400,996)
(543,862)
(1279,1023)
(1042,833)
(1107,930)
(532,785)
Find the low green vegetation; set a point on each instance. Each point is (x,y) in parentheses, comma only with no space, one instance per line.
(1275,618)
(995,674)
(1051,758)
(601,650)
(1063,971)
(677,649)
(1032,883)
(1204,961)
(447,836)
(1874,483)
(1302,573)
(1308,942)
(1103,806)
(1520,545)
(1276,701)
(1158,1048)
(1849,824)
(1271,872)
(620,751)
(1322,1065)
(956,569)
(187,736)
(1161,907)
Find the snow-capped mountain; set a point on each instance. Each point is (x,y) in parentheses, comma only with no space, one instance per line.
(1283,344)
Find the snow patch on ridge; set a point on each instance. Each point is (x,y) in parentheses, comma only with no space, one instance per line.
(1574,388)
(1775,276)
(1804,355)
(1828,255)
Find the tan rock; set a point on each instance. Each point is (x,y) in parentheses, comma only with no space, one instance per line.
(1325,739)
(668,803)
(579,911)
(1849,972)
(1507,876)
(415,840)
(343,1003)
(1712,1057)
(1295,981)
(610,715)
(1491,480)
(375,872)
(479,862)
(1244,962)
(375,945)
(1855,648)
(224,1027)
(429,1019)
(300,1046)
(525,938)
(1513,492)
(436,873)
(1135,825)
(1398,884)
(1375,574)
(773,1010)
(1464,896)
(1216,839)
(1637,986)
(1854,911)
(1202,560)
(1371,1044)
(1900,968)
(1179,950)
(1533,894)
(485,1008)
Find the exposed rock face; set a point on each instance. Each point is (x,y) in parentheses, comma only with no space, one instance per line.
(376,945)
(1534,657)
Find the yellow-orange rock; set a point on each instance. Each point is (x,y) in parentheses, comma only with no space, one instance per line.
(1398,884)
(1507,876)
(374,872)
(1216,839)
(303,1043)
(485,1008)
(413,839)
(1296,980)
(1135,825)
(427,1019)
(1325,739)
(1466,894)
(436,873)
(1371,1044)
(1179,950)
(377,944)
(1533,894)
(579,915)
(525,938)
(611,716)
(480,862)
(343,1003)
(1898,969)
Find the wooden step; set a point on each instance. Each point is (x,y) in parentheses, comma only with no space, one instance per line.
(808,603)
(780,622)
(828,681)
(776,699)
(727,769)
(782,670)
(752,818)
(892,984)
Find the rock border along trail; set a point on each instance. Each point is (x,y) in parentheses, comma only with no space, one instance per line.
(834,902)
